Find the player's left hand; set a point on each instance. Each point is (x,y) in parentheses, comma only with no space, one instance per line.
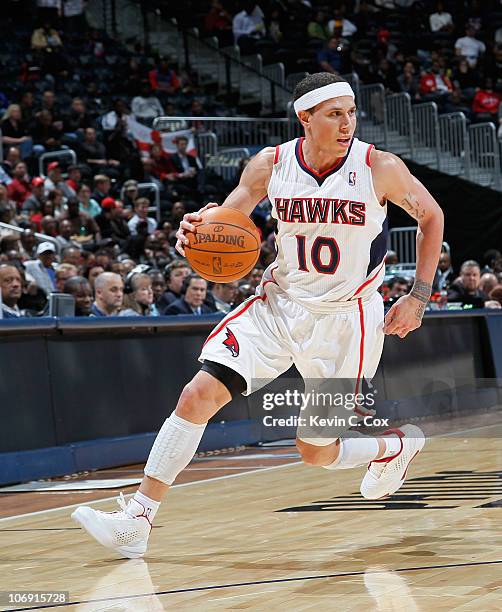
(404,316)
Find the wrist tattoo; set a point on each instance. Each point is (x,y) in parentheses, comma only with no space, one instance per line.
(421,290)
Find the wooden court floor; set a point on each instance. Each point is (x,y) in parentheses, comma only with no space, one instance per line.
(288,537)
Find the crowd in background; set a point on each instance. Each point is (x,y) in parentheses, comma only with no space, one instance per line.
(76,88)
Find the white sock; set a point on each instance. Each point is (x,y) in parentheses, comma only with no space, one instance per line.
(141,505)
(393,445)
(354,451)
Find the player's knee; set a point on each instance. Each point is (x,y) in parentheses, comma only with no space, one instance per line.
(314,455)
(192,403)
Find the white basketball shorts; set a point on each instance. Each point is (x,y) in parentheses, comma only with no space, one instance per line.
(269,332)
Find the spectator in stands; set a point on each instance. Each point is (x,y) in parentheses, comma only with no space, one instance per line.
(102,186)
(174,273)
(248,26)
(35,201)
(162,167)
(109,290)
(50,103)
(159,287)
(487,282)
(493,66)
(441,21)
(177,212)
(332,57)
(193,291)
(255,276)
(20,188)
(131,194)
(45,38)
(341,23)
(14,131)
(397,287)
(74,177)
(11,289)
(92,272)
(408,81)
(470,47)
(77,120)
(224,295)
(444,273)
(138,297)
(318,28)
(121,148)
(93,153)
(26,104)
(189,175)
(146,106)
(218,22)
(42,268)
(55,180)
(386,74)
(496,294)
(112,223)
(492,260)
(466,289)
(12,158)
(141,207)
(435,86)
(45,133)
(79,288)
(72,255)
(164,80)
(28,244)
(57,200)
(243,293)
(119,112)
(486,103)
(81,223)
(64,272)
(87,204)
(466,79)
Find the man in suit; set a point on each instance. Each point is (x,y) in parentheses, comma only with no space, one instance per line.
(192,301)
(189,175)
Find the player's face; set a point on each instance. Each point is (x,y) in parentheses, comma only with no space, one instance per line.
(332,125)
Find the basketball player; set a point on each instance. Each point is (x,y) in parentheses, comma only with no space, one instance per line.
(317,306)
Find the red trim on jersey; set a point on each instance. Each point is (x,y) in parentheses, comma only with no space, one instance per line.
(361,343)
(367,282)
(227,320)
(276,156)
(368,155)
(337,163)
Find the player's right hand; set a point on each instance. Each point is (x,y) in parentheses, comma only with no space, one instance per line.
(186,226)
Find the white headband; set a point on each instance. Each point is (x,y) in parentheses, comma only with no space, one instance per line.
(312,98)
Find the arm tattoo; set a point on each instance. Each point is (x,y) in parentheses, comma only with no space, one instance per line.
(422,292)
(412,207)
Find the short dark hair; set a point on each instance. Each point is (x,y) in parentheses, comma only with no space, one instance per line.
(188,279)
(314,81)
(74,283)
(397,280)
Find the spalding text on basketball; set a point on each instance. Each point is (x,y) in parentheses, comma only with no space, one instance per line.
(201,238)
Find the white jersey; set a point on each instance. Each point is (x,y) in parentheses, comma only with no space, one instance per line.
(332,230)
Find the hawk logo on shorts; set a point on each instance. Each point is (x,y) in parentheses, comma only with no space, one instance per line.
(231,343)
(352,179)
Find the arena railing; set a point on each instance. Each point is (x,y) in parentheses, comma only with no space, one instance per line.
(59,156)
(372,114)
(484,155)
(402,240)
(426,134)
(143,190)
(234,131)
(453,144)
(21,230)
(399,124)
(226,163)
(207,146)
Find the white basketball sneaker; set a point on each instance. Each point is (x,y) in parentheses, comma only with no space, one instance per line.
(385,476)
(124,531)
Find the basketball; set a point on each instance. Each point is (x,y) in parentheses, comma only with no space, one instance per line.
(225,245)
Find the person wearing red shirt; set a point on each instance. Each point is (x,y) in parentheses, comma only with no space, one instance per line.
(20,187)
(162,165)
(486,103)
(164,79)
(435,86)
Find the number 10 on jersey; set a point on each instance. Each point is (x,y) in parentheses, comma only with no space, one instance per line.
(322,246)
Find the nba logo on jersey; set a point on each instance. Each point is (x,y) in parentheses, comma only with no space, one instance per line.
(352,179)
